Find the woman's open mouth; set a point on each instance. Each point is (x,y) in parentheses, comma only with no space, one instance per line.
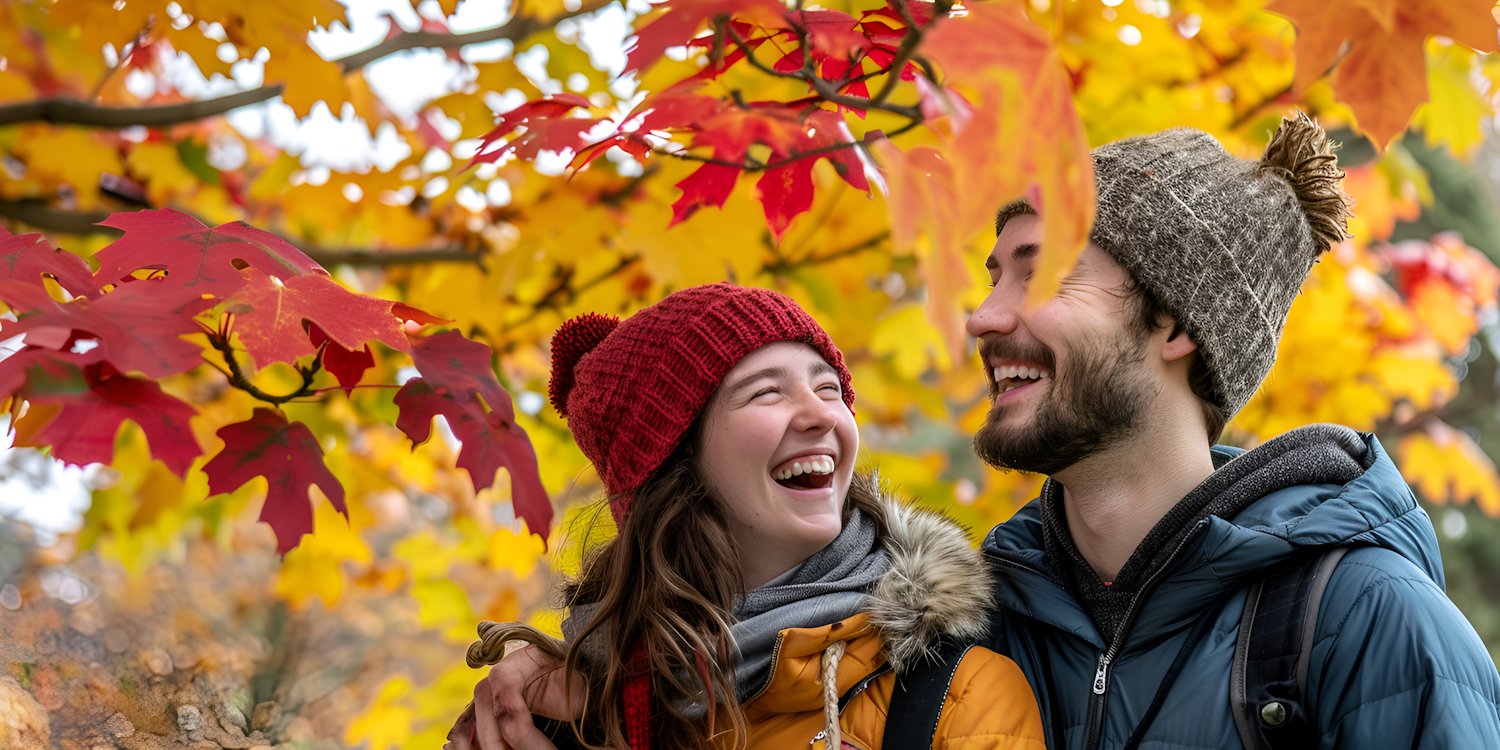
(805,473)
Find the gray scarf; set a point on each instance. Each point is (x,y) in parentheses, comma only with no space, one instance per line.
(829,587)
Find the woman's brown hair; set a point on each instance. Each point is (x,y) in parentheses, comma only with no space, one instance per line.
(670,578)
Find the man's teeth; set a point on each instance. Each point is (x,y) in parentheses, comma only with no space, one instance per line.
(1017,372)
(810,466)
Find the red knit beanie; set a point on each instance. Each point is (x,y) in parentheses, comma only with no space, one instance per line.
(631,389)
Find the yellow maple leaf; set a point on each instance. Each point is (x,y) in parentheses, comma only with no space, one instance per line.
(157,164)
(315,568)
(307,76)
(57,156)
(1446,466)
(387,721)
(1455,110)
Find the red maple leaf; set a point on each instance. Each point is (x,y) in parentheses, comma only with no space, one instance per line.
(28,257)
(548,128)
(289,457)
(269,314)
(88,406)
(709,185)
(347,365)
(784,192)
(831,33)
(405,312)
(196,258)
(458,384)
(681,20)
(137,329)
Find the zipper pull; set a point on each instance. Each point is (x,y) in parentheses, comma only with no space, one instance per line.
(1101,675)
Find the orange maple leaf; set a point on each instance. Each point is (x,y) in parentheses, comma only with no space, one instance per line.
(1023,137)
(1383,75)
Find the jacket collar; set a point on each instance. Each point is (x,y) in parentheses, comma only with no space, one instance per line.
(930,590)
(1376,509)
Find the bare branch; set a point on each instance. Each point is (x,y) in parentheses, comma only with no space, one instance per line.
(784,266)
(329,257)
(35,213)
(59,110)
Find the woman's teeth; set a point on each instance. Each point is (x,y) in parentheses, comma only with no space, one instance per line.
(1017,372)
(810,466)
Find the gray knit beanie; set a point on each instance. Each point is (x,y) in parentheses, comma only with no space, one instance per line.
(1223,243)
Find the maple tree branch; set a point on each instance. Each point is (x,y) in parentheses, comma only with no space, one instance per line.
(36,213)
(59,110)
(238,379)
(64,110)
(827,90)
(755,166)
(757,64)
(903,53)
(560,294)
(369,257)
(1250,113)
(786,265)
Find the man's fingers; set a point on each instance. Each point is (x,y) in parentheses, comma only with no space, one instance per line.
(487,733)
(463,729)
(527,737)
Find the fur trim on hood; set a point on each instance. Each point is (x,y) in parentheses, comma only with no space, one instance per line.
(938,584)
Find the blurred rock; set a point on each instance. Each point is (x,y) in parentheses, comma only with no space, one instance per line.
(116,640)
(265,715)
(119,726)
(229,715)
(190,718)
(157,661)
(23,722)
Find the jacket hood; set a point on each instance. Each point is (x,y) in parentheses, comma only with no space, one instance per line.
(934,586)
(1375,509)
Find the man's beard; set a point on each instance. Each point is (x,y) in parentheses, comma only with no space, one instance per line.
(1097,402)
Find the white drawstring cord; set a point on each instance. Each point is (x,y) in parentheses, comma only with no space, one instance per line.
(831,736)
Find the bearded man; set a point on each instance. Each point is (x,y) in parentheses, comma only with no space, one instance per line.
(1128,588)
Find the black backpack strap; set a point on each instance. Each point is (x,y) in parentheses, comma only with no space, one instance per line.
(1268,677)
(917,700)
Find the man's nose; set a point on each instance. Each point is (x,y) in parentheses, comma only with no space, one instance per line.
(1000,313)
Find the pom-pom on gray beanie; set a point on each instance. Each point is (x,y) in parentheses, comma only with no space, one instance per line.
(1223,243)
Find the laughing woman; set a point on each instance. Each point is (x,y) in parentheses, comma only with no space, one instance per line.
(757,583)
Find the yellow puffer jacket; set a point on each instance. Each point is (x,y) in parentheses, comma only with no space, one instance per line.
(937,585)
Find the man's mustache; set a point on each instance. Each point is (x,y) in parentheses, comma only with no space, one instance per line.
(1004,348)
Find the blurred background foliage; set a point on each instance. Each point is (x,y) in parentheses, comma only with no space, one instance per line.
(140,611)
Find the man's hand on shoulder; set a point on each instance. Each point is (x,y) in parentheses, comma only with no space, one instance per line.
(526,682)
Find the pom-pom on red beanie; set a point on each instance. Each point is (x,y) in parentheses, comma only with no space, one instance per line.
(631,389)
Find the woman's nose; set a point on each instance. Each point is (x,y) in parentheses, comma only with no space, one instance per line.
(814,413)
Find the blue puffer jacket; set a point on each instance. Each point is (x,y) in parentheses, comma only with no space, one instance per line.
(1394,665)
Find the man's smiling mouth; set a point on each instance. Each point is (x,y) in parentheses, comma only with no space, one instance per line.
(1011,377)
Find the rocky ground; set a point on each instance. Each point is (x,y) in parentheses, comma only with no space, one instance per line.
(197,653)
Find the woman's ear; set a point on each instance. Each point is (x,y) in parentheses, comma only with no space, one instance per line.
(1178,343)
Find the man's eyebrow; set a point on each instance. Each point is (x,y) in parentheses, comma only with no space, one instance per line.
(821,367)
(1025,251)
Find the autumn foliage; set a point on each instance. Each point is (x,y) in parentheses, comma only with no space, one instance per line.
(228,325)
(170,277)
